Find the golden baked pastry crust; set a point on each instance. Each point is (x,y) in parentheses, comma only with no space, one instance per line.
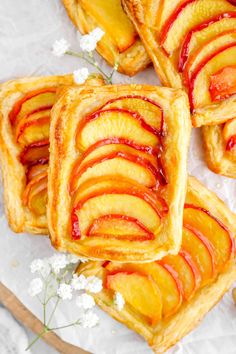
(169,331)
(131,61)
(147,17)
(66,115)
(20,218)
(218,159)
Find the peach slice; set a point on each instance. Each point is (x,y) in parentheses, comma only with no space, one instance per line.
(229,134)
(139,291)
(186,16)
(33,102)
(209,49)
(114,196)
(35,170)
(223,83)
(33,128)
(214,230)
(35,153)
(147,108)
(199,94)
(201,251)
(118,123)
(117,163)
(121,227)
(35,194)
(187,270)
(163,275)
(113,20)
(205,32)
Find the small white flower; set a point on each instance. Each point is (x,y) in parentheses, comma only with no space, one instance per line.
(71,258)
(40,266)
(58,262)
(97,34)
(87,43)
(119,301)
(80,75)
(60,47)
(35,287)
(85,301)
(89,319)
(65,291)
(94,284)
(78,283)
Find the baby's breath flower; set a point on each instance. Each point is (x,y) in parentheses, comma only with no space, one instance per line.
(89,41)
(85,301)
(58,262)
(97,34)
(119,301)
(80,75)
(65,291)
(60,47)
(89,319)
(94,284)
(78,283)
(35,287)
(71,258)
(40,266)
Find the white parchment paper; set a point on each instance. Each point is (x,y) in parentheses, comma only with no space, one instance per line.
(27,30)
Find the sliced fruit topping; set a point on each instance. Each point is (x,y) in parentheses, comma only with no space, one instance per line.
(35,153)
(113,20)
(115,196)
(223,83)
(35,170)
(163,275)
(214,230)
(121,227)
(207,51)
(199,94)
(139,291)
(116,163)
(147,108)
(35,194)
(118,123)
(229,134)
(34,127)
(33,102)
(187,270)
(186,16)
(205,32)
(201,251)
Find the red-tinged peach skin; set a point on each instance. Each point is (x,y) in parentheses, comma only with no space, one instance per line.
(37,198)
(229,134)
(35,153)
(33,130)
(223,83)
(35,170)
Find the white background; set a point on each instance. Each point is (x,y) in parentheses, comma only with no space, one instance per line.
(28,29)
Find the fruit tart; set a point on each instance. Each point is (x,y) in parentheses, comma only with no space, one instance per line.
(120,44)
(166,299)
(192,44)
(117,173)
(25,107)
(220,147)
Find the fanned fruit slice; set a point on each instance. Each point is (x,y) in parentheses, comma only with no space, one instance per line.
(34,153)
(35,194)
(223,83)
(229,134)
(214,230)
(134,287)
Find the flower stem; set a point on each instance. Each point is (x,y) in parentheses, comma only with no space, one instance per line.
(53,311)
(61,327)
(93,63)
(40,335)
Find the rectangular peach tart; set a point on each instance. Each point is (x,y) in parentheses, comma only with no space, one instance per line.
(192,44)
(117,174)
(120,44)
(25,108)
(166,299)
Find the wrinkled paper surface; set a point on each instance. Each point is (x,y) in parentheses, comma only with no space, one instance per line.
(27,32)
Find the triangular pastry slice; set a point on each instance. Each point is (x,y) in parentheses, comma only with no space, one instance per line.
(220,147)
(117,172)
(120,44)
(192,44)
(25,108)
(166,299)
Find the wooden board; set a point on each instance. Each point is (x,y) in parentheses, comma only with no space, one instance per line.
(23,315)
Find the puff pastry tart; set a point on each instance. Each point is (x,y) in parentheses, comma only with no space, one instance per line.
(192,44)
(117,173)
(166,299)
(220,147)
(121,43)
(25,107)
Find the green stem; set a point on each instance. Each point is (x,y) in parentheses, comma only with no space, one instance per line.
(53,311)
(45,330)
(61,327)
(91,62)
